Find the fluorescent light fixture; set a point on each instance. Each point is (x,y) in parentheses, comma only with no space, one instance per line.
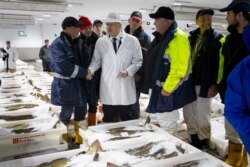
(70,5)
(177,4)
(142,11)
(46,15)
(39,19)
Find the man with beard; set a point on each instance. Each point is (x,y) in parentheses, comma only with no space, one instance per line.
(237,99)
(135,28)
(234,50)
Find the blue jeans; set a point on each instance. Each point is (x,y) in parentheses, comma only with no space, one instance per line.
(67,110)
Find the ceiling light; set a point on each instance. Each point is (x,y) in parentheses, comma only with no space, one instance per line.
(177,4)
(46,15)
(70,6)
(143,11)
(39,19)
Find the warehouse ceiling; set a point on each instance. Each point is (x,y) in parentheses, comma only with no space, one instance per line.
(30,12)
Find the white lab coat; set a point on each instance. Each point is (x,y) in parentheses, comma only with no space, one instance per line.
(13,56)
(115,90)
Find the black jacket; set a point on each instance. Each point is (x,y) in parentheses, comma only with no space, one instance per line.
(91,87)
(206,67)
(234,51)
(145,42)
(150,61)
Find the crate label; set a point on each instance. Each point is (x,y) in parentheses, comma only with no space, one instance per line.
(26,139)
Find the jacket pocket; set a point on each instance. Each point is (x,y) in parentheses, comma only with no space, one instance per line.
(165,103)
(67,91)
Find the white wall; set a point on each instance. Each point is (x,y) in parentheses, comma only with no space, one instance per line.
(29,45)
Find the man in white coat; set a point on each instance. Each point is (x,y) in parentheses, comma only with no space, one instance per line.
(9,62)
(119,54)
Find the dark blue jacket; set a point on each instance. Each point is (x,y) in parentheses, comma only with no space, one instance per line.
(67,62)
(145,42)
(183,94)
(206,67)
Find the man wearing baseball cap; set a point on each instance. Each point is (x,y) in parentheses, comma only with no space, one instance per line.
(205,45)
(67,88)
(135,28)
(167,70)
(234,51)
(120,57)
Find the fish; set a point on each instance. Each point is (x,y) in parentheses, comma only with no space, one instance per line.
(11,87)
(20,128)
(61,162)
(17,100)
(179,147)
(120,130)
(140,151)
(188,164)
(148,120)
(122,138)
(94,147)
(30,82)
(144,151)
(16,118)
(109,164)
(19,106)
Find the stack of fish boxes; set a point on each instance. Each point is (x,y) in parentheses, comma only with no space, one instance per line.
(20,138)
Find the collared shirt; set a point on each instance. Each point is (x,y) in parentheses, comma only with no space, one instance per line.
(119,39)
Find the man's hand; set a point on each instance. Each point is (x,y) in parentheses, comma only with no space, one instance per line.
(89,76)
(164,93)
(212,91)
(123,74)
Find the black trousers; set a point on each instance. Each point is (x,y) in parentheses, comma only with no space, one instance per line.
(112,112)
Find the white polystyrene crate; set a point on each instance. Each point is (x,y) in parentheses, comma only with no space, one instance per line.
(42,113)
(24,153)
(36,105)
(159,134)
(36,160)
(32,140)
(206,160)
(218,140)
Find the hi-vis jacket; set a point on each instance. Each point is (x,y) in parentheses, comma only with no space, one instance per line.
(13,56)
(115,90)
(171,73)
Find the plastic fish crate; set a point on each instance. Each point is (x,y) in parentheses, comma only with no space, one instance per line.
(36,160)
(208,161)
(33,140)
(218,140)
(158,135)
(33,152)
(42,113)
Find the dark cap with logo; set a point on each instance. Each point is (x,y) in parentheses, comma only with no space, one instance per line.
(71,22)
(239,5)
(136,15)
(202,12)
(163,12)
